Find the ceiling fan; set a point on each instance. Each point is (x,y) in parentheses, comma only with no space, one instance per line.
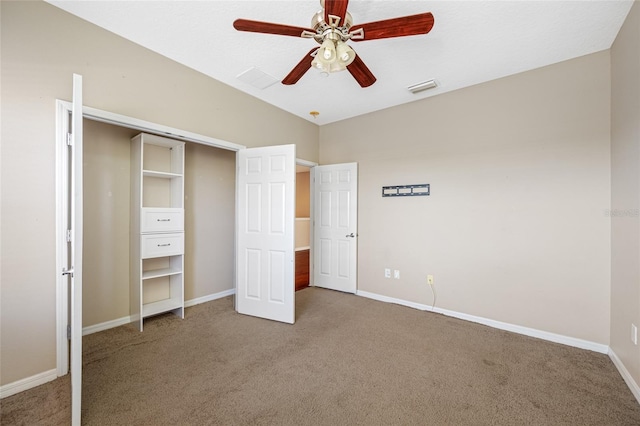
(332,27)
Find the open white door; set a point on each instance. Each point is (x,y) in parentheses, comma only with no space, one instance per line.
(265,215)
(74,271)
(335,226)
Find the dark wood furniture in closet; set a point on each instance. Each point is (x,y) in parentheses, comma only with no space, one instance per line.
(302,269)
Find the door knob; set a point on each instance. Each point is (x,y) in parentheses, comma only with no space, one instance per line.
(350,235)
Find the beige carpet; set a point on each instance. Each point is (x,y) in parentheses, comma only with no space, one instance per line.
(347,361)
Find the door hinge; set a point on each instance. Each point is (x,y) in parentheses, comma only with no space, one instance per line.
(69,139)
(69,235)
(68,332)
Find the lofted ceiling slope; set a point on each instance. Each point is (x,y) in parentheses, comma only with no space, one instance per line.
(471,42)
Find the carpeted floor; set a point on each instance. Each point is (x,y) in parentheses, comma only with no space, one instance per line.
(347,361)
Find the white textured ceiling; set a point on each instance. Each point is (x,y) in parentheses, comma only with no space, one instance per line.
(471,42)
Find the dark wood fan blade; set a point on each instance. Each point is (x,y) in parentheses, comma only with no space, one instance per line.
(361,73)
(395,27)
(269,28)
(299,70)
(335,8)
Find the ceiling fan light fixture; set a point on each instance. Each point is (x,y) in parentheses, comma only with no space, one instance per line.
(332,56)
(326,68)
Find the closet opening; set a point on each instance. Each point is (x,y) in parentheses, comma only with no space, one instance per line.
(106,207)
(209,187)
(303,227)
(108,214)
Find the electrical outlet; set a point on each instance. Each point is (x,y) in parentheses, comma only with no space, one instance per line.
(387,273)
(634,334)
(430,279)
(396,274)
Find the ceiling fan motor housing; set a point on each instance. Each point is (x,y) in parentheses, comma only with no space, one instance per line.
(333,30)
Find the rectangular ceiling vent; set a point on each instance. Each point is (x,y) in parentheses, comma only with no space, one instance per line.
(257,78)
(425,85)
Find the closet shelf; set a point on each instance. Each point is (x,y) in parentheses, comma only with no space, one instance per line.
(161,306)
(163,175)
(157,273)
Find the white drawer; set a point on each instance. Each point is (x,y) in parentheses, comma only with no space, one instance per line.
(162,220)
(159,245)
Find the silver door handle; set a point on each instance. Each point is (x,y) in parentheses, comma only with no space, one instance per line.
(351,235)
(66,271)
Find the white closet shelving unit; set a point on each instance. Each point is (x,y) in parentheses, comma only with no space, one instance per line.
(157,227)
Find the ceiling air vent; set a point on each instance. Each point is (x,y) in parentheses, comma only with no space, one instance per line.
(257,78)
(425,85)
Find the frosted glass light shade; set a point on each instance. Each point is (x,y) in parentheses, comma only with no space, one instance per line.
(327,52)
(345,54)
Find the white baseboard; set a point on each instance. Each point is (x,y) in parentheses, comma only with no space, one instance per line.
(209,298)
(126,320)
(552,337)
(635,389)
(28,383)
(106,325)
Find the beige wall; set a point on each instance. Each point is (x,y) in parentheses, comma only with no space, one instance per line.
(210,179)
(303,180)
(106,222)
(625,191)
(41,47)
(303,206)
(514,229)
